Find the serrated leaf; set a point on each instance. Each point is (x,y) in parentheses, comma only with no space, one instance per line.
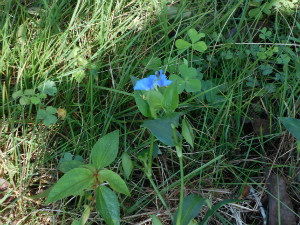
(24,100)
(35,100)
(51,110)
(72,183)
(155,220)
(127,164)
(192,205)
(105,150)
(187,132)
(182,44)
(200,46)
(17,94)
(115,181)
(292,125)
(108,205)
(170,99)
(48,88)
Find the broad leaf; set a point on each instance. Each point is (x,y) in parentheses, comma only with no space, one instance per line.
(17,94)
(200,46)
(105,150)
(162,130)
(48,88)
(127,164)
(292,125)
(108,205)
(154,99)
(192,205)
(142,104)
(114,180)
(29,92)
(193,85)
(194,36)
(24,100)
(187,72)
(85,216)
(72,183)
(182,44)
(171,99)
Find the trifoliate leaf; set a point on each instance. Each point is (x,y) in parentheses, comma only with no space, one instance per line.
(48,88)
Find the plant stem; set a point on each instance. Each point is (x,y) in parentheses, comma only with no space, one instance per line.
(149,170)
(178,146)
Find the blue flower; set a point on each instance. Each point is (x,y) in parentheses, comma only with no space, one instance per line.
(150,82)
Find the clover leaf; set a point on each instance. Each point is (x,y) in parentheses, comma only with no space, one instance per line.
(48,88)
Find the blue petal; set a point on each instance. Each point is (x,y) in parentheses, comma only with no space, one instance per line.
(162,81)
(145,84)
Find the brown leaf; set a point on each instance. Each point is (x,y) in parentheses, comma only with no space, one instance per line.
(3,185)
(61,113)
(277,188)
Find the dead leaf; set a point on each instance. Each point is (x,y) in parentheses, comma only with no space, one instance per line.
(277,188)
(61,113)
(3,185)
(246,191)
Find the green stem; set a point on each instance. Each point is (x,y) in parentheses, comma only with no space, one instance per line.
(149,170)
(178,146)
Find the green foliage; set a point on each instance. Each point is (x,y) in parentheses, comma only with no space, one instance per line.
(192,205)
(108,205)
(197,45)
(292,125)
(127,164)
(155,220)
(187,132)
(170,99)
(74,182)
(105,151)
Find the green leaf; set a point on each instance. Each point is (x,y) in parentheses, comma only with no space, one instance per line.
(171,98)
(155,220)
(51,110)
(115,181)
(193,85)
(152,63)
(105,150)
(29,92)
(66,166)
(192,205)
(24,100)
(35,100)
(187,72)
(215,208)
(154,99)
(142,104)
(200,46)
(85,216)
(41,114)
(17,94)
(127,164)
(72,183)
(79,75)
(292,125)
(108,205)
(50,119)
(180,82)
(194,36)
(254,12)
(182,44)
(48,88)
(162,130)
(187,132)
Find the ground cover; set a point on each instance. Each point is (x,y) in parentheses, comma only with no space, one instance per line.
(66,72)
